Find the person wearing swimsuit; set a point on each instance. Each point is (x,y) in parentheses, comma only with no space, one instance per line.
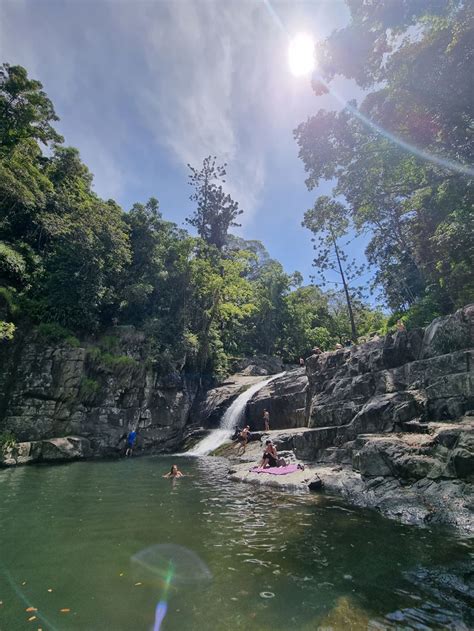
(270,456)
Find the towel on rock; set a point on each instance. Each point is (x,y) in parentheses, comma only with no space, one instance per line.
(290,468)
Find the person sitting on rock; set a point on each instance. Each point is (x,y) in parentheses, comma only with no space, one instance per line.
(131,438)
(270,456)
(174,472)
(302,362)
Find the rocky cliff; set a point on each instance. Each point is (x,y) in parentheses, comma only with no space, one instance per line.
(388,424)
(61,401)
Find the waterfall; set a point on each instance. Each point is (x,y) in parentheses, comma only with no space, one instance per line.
(231,419)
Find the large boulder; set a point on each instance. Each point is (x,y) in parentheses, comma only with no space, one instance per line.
(284,398)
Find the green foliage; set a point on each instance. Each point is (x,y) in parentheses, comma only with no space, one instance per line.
(8,301)
(71,262)
(89,389)
(7,330)
(7,441)
(26,110)
(109,343)
(414,62)
(110,361)
(215,211)
(52,332)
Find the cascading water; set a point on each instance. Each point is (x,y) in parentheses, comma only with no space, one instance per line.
(230,420)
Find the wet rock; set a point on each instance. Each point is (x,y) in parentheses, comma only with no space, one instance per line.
(209,409)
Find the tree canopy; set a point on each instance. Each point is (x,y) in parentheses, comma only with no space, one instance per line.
(402,159)
(73,262)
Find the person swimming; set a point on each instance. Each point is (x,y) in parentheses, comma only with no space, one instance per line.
(174,472)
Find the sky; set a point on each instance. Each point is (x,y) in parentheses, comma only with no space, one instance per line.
(144,87)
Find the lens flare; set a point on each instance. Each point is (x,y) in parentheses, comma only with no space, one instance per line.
(445,163)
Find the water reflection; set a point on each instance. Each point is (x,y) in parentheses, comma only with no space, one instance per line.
(279,561)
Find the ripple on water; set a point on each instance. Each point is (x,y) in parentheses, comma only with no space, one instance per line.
(300,549)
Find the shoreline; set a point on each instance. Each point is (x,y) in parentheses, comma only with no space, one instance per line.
(423,503)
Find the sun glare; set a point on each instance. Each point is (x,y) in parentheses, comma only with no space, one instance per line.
(301,55)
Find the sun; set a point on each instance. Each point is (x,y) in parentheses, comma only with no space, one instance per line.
(301,55)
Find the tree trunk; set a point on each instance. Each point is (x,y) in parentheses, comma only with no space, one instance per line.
(346,291)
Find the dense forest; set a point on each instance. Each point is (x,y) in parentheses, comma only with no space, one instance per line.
(73,265)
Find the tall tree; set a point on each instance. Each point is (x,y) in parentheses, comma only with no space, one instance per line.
(400,160)
(216,211)
(328,221)
(25,110)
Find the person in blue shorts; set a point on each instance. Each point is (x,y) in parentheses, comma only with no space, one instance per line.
(131,439)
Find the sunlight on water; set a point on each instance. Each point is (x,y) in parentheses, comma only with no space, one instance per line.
(112,545)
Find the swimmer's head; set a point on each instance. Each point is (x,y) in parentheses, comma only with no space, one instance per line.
(174,468)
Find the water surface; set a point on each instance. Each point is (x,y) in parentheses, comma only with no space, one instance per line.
(278,561)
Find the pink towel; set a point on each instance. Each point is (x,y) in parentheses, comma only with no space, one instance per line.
(290,468)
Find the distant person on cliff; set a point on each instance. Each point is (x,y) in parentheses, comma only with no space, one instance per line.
(400,326)
(270,455)
(243,440)
(266,420)
(339,347)
(174,472)
(302,362)
(131,439)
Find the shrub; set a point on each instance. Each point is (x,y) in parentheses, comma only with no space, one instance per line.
(7,330)
(7,440)
(118,361)
(53,332)
(89,389)
(110,361)
(109,343)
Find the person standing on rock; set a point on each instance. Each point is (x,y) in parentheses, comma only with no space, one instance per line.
(243,440)
(266,420)
(131,438)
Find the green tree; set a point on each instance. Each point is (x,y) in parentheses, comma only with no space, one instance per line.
(216,211)
(414,59)
(307,323)
(328,221)
(25,110)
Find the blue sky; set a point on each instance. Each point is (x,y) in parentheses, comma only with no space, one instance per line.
(143,87)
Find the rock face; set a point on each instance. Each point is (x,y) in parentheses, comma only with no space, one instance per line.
(209,408)
(50,394)
(285,400)
(388,424)
(257,366)
(384,385)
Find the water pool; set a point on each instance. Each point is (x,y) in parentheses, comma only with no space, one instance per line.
(278,561)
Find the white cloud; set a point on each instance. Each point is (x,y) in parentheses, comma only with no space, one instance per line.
(198,77)
(196,56)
